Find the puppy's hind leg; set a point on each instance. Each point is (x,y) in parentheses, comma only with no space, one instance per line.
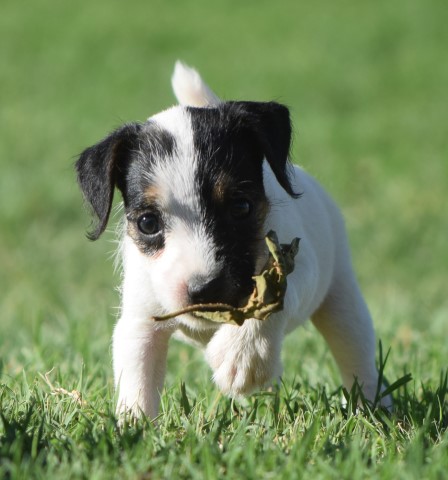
(344,321)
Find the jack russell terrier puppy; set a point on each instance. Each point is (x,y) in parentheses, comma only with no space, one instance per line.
(202,183)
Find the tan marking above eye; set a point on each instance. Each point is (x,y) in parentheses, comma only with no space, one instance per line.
(221,189)
(152,193)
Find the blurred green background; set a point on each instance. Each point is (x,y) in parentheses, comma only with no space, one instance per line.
(367,85)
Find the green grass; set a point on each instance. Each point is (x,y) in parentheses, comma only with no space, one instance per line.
(367,88)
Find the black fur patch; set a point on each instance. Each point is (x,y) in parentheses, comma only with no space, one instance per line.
(231,142)
(118,161)
(139,194)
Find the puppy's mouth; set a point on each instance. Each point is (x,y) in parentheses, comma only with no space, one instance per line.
(209,313)
(218,305)
(206,311)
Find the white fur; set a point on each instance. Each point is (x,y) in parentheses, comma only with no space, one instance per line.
(190,89)
(322,286)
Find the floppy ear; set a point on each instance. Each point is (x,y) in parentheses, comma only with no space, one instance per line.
(100,169)
(272,126)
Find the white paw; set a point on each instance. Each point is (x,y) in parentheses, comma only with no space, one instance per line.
(241,361)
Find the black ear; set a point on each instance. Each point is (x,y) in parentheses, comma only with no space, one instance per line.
(100,169)
(272,126)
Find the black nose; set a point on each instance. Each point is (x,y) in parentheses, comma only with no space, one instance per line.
(202,289)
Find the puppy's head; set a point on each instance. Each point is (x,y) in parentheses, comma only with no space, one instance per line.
(192,185)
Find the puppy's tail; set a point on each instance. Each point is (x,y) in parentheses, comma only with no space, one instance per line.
(190,89)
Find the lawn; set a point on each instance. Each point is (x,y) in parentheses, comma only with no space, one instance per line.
(367,87)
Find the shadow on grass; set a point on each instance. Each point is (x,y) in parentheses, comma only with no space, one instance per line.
(39,429)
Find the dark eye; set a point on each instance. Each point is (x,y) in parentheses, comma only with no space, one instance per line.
(149,224)
(240,208)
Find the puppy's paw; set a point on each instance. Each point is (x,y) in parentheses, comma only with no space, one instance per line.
(242,361)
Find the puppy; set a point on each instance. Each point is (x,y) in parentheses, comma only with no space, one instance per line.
(202,183)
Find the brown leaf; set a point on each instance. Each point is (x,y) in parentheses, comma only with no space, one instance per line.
(267,296)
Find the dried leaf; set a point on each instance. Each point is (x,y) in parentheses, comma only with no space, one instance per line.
(74,394)
(267,296)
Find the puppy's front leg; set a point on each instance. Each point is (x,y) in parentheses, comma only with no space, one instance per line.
(139,355)
(246,358)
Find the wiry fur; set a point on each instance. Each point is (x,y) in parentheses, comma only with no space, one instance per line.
(184,167)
